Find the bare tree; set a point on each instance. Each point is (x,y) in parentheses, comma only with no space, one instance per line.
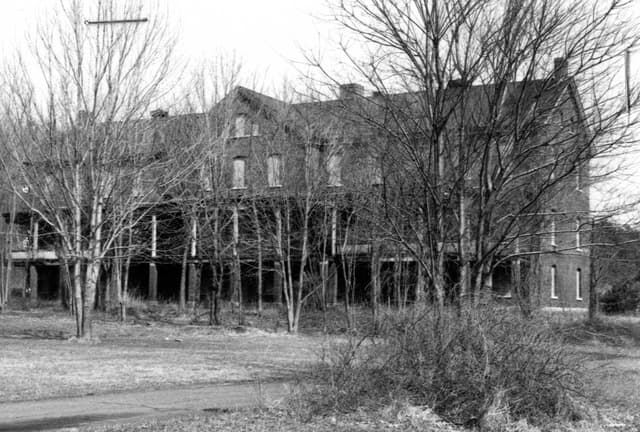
(482,135)
(85,162)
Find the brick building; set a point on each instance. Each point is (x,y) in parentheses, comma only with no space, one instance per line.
(271,165)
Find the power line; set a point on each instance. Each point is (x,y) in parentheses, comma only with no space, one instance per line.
(120,21)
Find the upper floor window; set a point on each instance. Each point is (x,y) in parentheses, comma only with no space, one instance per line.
(241,124)
(239,168)
(205,178)
(578,234)
(136,189)
(578,178)
(255,129)
(334,169)
(274,171)
(579,284)
(376,171)
(554,282)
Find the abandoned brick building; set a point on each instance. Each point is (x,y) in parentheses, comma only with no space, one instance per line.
(275,165)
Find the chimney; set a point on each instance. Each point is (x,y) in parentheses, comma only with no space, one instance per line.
(560,68)
(159,113)
(351,91)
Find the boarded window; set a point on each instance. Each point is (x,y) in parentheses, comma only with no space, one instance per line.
(239,166)
(274,171)
(241,122)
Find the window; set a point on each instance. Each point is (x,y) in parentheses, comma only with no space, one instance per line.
(334,163)
(205,178)
(239,165)
(274,170)
(578,239)
(579,284)
(136,190)
(376,172)
(241,122)
(578,179)
(255,129)
(552,230)
(554,282)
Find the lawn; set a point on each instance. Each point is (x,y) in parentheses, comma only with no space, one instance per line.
(158,349)
(41,359)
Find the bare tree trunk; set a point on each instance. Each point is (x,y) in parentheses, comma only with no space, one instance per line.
(593,288)
(375,285)
(77,297)
(8,243)
(214,295)
(183,281)
(124,297)
(92,272)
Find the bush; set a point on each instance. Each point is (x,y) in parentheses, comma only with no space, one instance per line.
(622,298)
(460,366)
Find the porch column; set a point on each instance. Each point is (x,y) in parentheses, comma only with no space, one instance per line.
(153,282)
(33,283)
(63,288)
(332,283)
(33,270)
(153,271)
(194,285)
(277,282)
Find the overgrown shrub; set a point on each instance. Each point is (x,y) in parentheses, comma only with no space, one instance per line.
(622,298)
(459,365)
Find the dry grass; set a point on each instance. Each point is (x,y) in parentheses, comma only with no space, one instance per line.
(159,349)
(278,420)
(41,359)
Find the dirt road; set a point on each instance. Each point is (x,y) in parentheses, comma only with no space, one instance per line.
(52,414)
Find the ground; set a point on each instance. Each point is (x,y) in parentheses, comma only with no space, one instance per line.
(41,359)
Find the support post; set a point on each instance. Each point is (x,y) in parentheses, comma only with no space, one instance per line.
(33,271)
(332,284)
(63,287)
(194,286)
(153,282)
(277,282)
(33,284)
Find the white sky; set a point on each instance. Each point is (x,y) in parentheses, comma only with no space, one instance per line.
(268,35)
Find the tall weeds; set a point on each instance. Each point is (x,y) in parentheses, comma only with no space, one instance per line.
(460,365)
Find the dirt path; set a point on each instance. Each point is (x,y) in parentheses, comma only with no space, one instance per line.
(59,413)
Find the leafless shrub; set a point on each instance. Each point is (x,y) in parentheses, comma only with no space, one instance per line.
(462,366)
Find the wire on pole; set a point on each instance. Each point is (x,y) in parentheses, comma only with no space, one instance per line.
(121,21)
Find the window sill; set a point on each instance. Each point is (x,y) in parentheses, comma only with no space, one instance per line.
(238,188)
(554,297)
(578,298)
